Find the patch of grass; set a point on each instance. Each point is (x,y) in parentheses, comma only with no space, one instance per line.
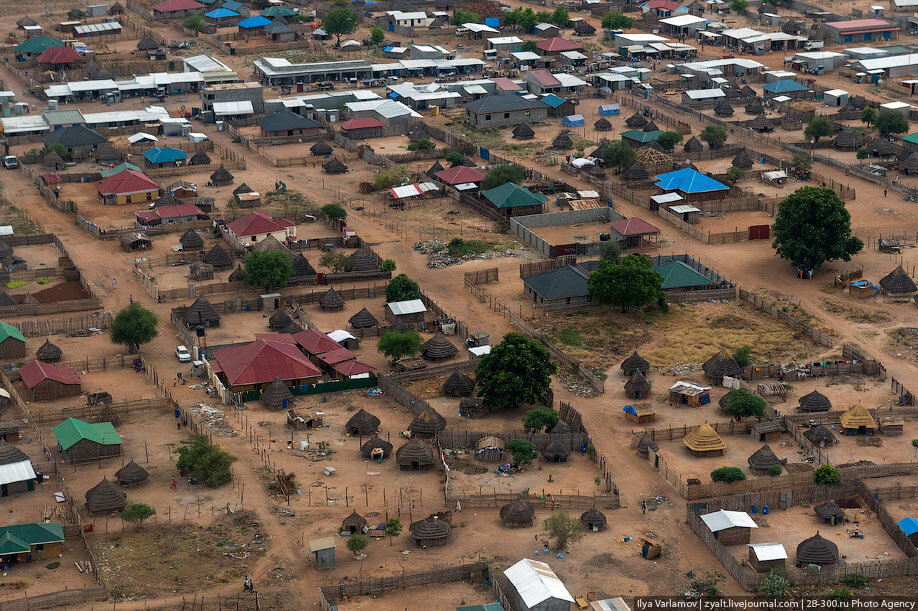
(44,281)
(466,248)
(571,337)
(15,284)
(52,566)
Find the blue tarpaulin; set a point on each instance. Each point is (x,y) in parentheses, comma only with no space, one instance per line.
(573,121)
(629,409)
(610,110)
(492,22)
(909,526)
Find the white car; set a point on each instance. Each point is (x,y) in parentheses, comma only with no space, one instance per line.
(182,353)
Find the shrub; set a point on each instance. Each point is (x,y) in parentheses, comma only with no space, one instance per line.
(387,265)
(332,212)
(727,475)
(827,475)
(741,355)
(206,461)
(855,580)
(195,22)
(540,418)
(775,470)
(734,174)
(422,145)
(455,158)
(138,512)
(776,582)
(15,284)
(840,593)
(523,451)
(357,543)
(743,404)
(44,281)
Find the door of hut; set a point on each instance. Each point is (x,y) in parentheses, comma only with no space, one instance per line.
(759,232)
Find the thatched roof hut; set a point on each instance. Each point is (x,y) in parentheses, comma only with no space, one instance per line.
(883,148)
(376,447)
(720,365)
(238,275)
(489,449)
(414,456)
(562,141)
(635,172)
(595,170)
(363,320)
(693,145)
(279,321)
(754,107)
(817,550)
(830,513)
(523,132)
(49,353)
(856,419)
(438,348)
(647,445)
(761,461)
(191,240)
(761,124)
(362,423)
(354,523)
(743,160)
(53,161)
(202,312)
(427,423)
(848,113)
(602,125)
(593,520)
(430,532)
(704,441)
(331,301)
(302,267)
(560,428)
(276,394)
(556,451)
(218,258)
(815,402)
(820,436)
(637,386)
(131,473)
(723,108)
(106,153)
(635,363)
(458,385)
(321,149)
(6,300)
(636,120)
(584,28)
(335,166)
(199,158)
(436,167)
(517,514)
(650,127)
(898,282)
(848,140)
(909,164)
(221,176)
(105,496)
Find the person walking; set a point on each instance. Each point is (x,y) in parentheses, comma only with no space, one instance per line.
(245,584)
(174,483)
(884,192)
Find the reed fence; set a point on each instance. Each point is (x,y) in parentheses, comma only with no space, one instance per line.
(122,409)
(44,327)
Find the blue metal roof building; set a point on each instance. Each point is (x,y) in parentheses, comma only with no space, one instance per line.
(221,13)
(553,100)
(157,156)
(254,22)
(689,182)
(785,85)
(908,525)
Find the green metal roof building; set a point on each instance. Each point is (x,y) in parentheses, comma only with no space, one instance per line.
(43,539)
(35,46)
(78,440)
(636,136)
(679,276)
(513,200)
(12,342)
(124,165)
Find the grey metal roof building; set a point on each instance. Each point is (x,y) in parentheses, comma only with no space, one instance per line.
(562,283)
(284,120)
(276,70)
(503,103)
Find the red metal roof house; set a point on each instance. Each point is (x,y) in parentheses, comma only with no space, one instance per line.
(315,342)
(256,226)
(553,46)
(174,9)
(460,175)
(634,231)
(860,30)
(362,128)
(44,381)
(59,57)
(255,365)
(128,187)
(164,215)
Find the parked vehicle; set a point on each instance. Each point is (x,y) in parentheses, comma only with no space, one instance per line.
(10,162)
(181,352)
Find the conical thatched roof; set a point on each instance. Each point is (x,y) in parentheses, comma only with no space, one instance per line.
(199,158)
(275,394)
(883,148)
(556,449)
(321,148)
(858,102)
(848,113)
(704,439)
(331,301)
(302,267)
(693,145)
(335,166)
(815,402)
(763,458)
(909,164)
(723,108)
(367,448)
(168,199)
(26,21)
(438,347)
(238,275)
(191,240)
(428,422)
(848,139)
(436,167)
(561,427)
(647,445)
(817,550)
(201,311)
(279,320)
(131,473)
(747,92)
(271,244)
(636,120)
(362,423)
(650,127)
(593,517)
(221,176)
(105,152)
(857,416)
(363,320)
(637,383)
(458,385)
(355,520)
(362,261)
(584,28)
(635,363)
(429,528)
(742,160)
(602,125)
(819,434)
(105,496)
(10,454)
(720,365)
(563,141)
(523,132)
(595,170)
(6,300)
(147,44)
(517,512)
(415,451)
(218,257)
(53,161)
(635,172)
(829,509)
(898,282)
(49,353)
(754,106)
(243,188)
(761,124)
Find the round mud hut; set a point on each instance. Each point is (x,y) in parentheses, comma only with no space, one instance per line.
(221,177)
(237,275)
(637,386)
(376,449)
(830,513)
(438,348)
(651,127)
(523,132)
(636,120)
(191,240)
(302,267)
(593,520)
(602,125)
(754,107)
(762,460)
(363,320)
(897,283)
(723,108)
(218,258)
(414,456)
(321,149)
(279,321)
(353,524)
(560,428)
(199,158)
(635,363)
(742,160)
(909,164)
(693,145)
(517,514)
(848,140)
(105,497)
(458,385)
(720,365)
(49,353)
(761,124)
(277,395)
(820,436)
(647,445)
(562,141)
(362,423)
(817,550)
(131,474)
(362,261)
(704,441)
(815,402)
(334,166)
(430,532)
(6,300)
(428,423)
(635,172)
(489,449)
(556,451)
(331,301)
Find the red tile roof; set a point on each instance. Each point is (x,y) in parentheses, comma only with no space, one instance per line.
(37,371)
(557,44)
(315,342)
(333,357)
(460,174)
(361,123)
(258,362)
(545,77)
(127,181)
(51,178)
(634,226)
(505,84)
(59,55)
(668,5)
(353,368)
(176,5)
(168,212)
(257,223)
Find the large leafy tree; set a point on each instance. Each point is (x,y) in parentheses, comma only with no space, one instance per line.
(818,127)
(460,16)
(133,326)
(714,135)
(539,419)
(523,451)
(743,404)
(869,115)
(503,174)
(206,461)
(136,513)
(563,529)
(268,269)
(627,284)
(813,226)
(891,122)
(377,35)
(669,140)
(396,344)
(341,22)
(524,19)
(518,370)
(617,20)
(402,288)
(560,17)
(618,154)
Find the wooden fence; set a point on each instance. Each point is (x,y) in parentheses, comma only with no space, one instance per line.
(798,325)
(455,438)
(436,371)
(62,326)
(55,600)
(482,276)
(122,409)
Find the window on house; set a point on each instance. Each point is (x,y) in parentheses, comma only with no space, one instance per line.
(487,117)
(128,199)
(506,115)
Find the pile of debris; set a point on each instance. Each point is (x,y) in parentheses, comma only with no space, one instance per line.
(438,255)
(213,419)
(679,369)
(576,385)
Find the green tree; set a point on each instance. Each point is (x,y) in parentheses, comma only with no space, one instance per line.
(727,475)
(741,355)
(268,269)
(610,251)
(133,326)
(544,16)
(802,163)
(194,22)
(855,580)
(517,370)
(58,148)
(524,19)
(503,174)
(335,260)
(393,177)
(743,404)
(628,284)
(617,20)
(530,45)
(813,226)
(734,173)
(826,475)
(618,155)
(393,528)
(563,529)
(775,470)
(862,153)
(356,543)
(540,419)
(775,583)
(891,122)
(460,16)
(402,288)
(669,140)
(869,115)
(205,461)
(818,127)
(136,513)
(455,158)
(341,22)
(739,5)
(332,212)
(388,265)
(714,135)
(840,593)
(377,35)
(423,144)
(560,17)
(396,344)
(523,452)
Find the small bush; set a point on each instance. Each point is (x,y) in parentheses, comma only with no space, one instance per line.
(422,145)
(44,281)
(827,475)
(15,284)
(855,580)
(775,470)
(840,593)
(741,356)
(727,475)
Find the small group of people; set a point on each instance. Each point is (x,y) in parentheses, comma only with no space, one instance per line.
(247,585)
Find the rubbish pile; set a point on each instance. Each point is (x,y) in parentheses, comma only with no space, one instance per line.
(679,369)
(576,385)
(213,418)
(438,256)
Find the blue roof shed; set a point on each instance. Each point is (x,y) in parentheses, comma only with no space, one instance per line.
(573,121)
(164,155)
(909,526)
(785,85)
(254,22)
(232,5)
(610,110)
(689,181)
(221,13)
(553,100)
(492,22)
